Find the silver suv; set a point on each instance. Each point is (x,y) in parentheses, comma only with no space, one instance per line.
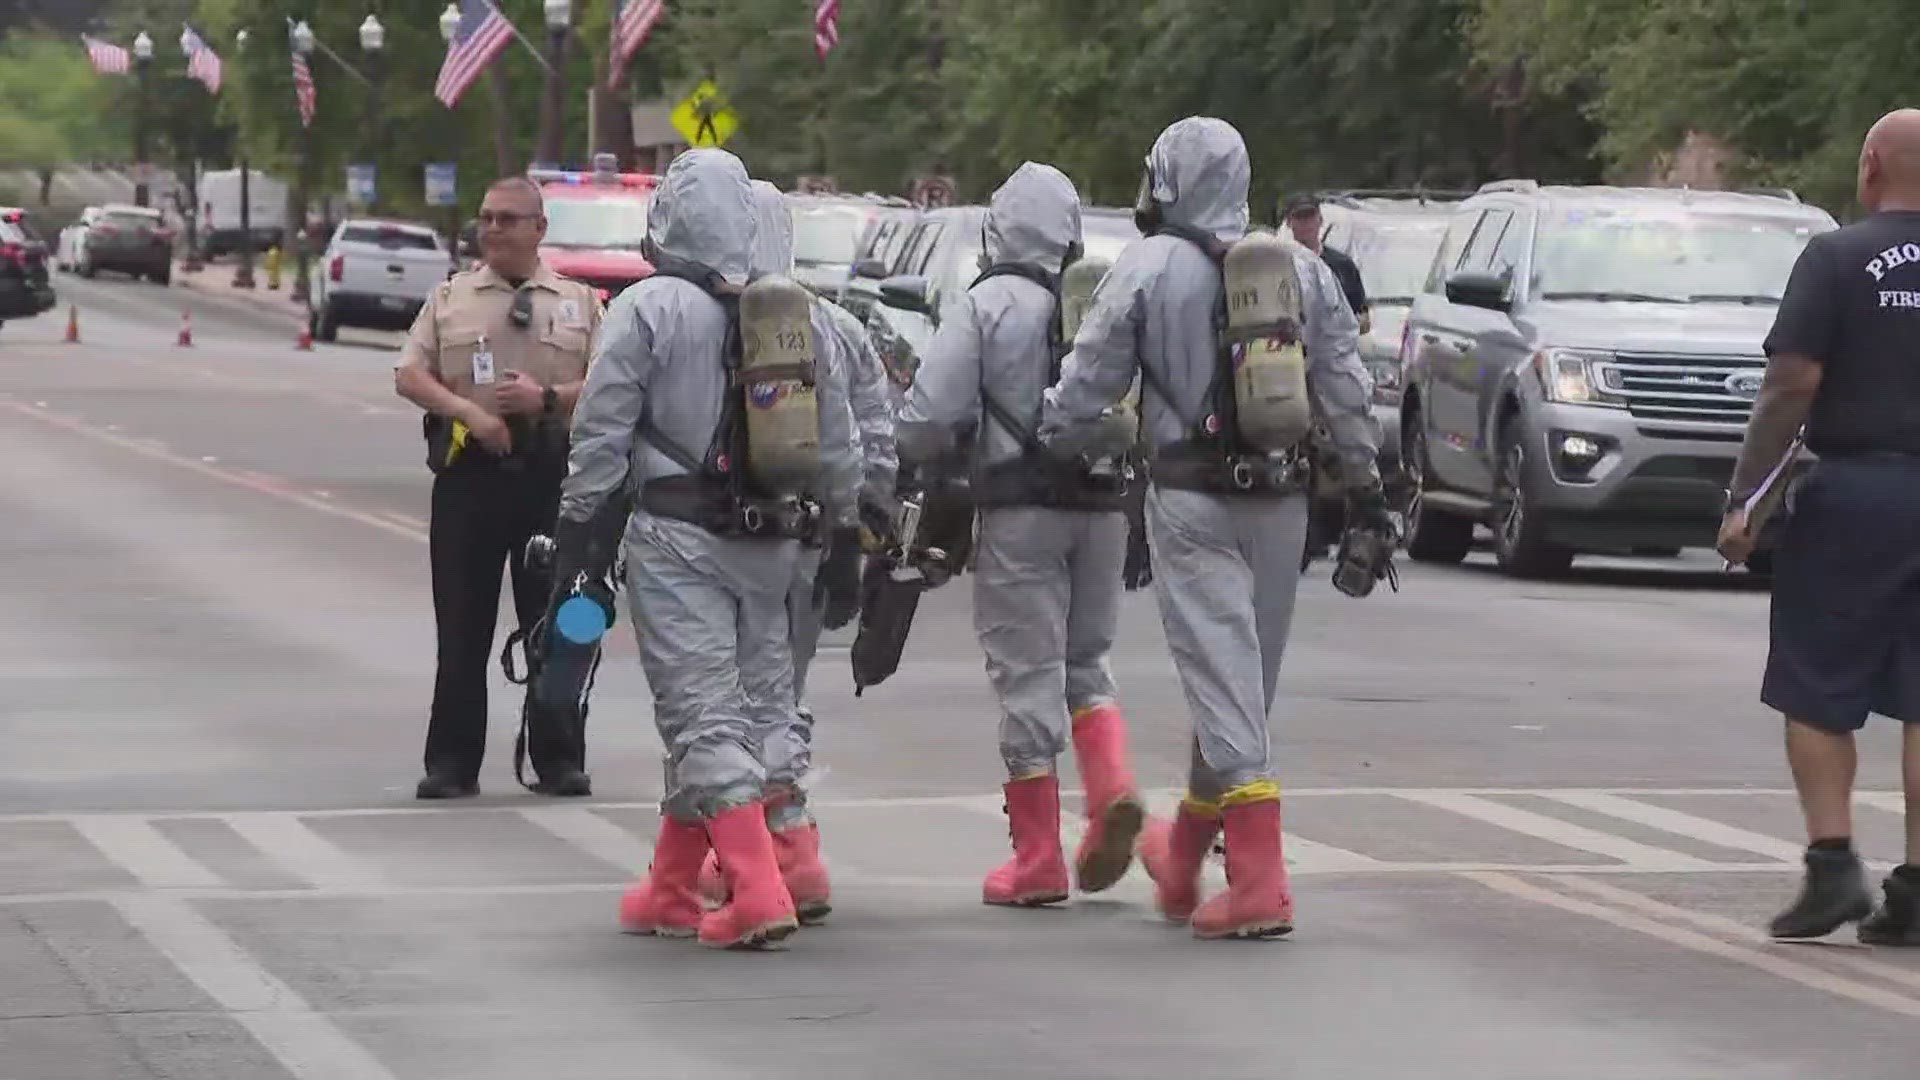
(1579,367)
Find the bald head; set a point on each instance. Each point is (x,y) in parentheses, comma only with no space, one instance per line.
(1890,162)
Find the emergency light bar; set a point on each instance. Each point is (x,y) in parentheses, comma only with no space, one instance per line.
(594,179)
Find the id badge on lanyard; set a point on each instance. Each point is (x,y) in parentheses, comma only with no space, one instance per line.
(482,363)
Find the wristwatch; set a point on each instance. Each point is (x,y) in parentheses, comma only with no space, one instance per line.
(548,399)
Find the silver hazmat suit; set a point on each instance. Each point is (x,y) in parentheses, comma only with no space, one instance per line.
(1047,582)
(1225,569)
(850,352)
(710,611)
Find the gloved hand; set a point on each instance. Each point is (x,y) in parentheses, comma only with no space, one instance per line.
(878,519)
(836,588)
(1367,511)
(583,548)
(1138,571)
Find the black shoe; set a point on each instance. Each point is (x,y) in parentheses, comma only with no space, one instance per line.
(1897,922)
(1834,892)
(571,784)
(446,786)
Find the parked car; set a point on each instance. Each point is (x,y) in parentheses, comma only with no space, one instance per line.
(378,275)
(1392,235)
(1580,365)
(881,248)
(827,230)
(66,243)
(134,240)
(25,290)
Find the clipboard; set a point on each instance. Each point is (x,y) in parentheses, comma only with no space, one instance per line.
(1766,500)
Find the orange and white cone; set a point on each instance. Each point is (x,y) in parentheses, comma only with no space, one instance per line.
(305,342)
(73,324)
(185,340)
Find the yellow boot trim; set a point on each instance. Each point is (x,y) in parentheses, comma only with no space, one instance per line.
(1035,775)
(1257,791)
(1200,807)
(1084,710)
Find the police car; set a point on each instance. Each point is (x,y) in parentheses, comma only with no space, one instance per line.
(595,223)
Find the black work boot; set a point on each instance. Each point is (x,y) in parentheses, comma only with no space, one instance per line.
(566,783)
(446,785)
(1897,922)
(1834,892)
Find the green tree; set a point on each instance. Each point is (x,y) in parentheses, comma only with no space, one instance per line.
(58,110)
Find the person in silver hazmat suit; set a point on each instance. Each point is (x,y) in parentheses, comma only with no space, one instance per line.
(710,556)
(1052,542)
(787,751)
(1225,562)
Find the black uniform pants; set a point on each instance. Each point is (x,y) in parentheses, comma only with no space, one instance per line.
(483,514)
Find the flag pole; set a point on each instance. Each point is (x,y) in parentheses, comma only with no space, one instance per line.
(537,58)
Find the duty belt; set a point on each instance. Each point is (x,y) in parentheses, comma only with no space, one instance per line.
(708,504)
(1031,481)
(1220,472)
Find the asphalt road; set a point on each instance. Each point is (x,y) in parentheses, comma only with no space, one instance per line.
(1533,826)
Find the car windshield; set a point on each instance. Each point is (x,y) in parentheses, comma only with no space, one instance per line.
(597,223)
(1394,255)
(1679,256)
(826,235)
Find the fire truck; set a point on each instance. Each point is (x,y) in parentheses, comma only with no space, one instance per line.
(595,223)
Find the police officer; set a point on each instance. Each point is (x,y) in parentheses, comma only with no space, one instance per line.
(1224,556)
(1052,542)
(787,752)
(711,549)
(496,359)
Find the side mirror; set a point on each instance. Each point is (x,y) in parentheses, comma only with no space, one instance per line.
(906,291)
(870,268)
(1477,289)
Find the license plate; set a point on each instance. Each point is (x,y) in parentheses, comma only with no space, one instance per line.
(393,302)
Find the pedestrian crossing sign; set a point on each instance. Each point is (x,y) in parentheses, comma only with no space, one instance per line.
(704,118)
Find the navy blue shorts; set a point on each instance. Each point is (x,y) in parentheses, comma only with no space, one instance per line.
(1846,596)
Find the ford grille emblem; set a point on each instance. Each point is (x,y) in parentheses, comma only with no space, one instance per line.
(1744,384)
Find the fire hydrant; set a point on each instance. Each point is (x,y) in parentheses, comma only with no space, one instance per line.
(273,267)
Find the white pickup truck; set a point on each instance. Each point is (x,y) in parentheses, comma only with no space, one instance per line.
(376,273)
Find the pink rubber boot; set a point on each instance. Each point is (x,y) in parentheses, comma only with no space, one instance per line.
(665,903)
(759,912)
(1115,812)
(1173,854)
(1037,873)
(1257,902)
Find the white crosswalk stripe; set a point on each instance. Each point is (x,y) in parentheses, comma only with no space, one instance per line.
(285,839)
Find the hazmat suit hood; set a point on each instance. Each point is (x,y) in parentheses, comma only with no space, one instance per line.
(702,214)
(1034,218)
(1199,173)
(773,232)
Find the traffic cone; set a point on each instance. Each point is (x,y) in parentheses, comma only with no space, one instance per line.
(73,324)
(186,328)
(305,343)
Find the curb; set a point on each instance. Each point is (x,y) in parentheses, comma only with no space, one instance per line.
(262,299)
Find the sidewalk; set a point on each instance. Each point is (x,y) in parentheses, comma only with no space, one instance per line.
(217,280)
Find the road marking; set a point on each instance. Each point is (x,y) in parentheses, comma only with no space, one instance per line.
(307,1044)
(1891,801)
(1555,831)
(1846,955)
(285,839)
(156,452)
(1792,970)
(137,847)
(594,835)
(1312,857)
(1681,824)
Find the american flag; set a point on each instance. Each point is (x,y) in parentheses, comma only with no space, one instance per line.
(482,33)
(632,22)
(303,89)
(202,62)
(826,27)
(107,59)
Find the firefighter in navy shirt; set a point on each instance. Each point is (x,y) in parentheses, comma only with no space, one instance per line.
(1843,360)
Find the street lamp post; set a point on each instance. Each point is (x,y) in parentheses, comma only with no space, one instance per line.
(142,58)
(192,262)
(243,275)
(450,22)
(301,39)
(559,15)
(373,38)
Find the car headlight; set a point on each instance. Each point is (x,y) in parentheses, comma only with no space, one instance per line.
(1566,376)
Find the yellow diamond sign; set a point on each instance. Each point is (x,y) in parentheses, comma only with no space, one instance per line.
(704,118)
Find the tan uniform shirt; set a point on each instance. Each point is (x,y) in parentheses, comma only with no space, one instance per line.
(469,314)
